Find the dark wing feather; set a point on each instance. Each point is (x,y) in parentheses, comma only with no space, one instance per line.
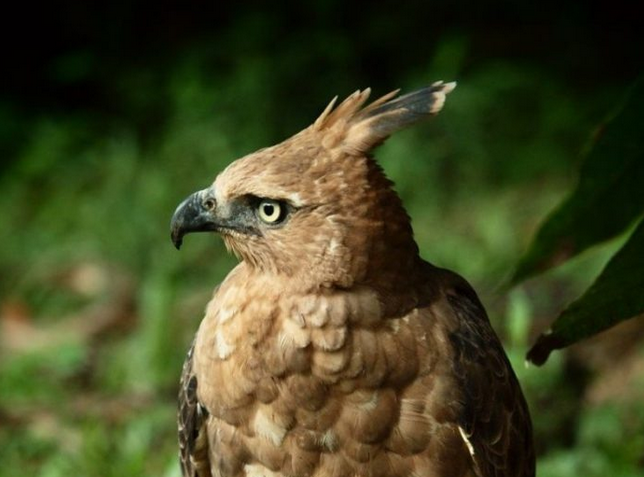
(191,421)
(494,415)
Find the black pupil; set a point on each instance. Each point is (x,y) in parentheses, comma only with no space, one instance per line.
(269,209)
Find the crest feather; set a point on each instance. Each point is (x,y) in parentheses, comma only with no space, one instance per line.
(331,118)
(360,130)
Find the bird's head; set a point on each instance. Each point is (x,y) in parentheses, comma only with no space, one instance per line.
(316,207)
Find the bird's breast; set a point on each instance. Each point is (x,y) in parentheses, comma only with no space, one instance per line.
(296,384)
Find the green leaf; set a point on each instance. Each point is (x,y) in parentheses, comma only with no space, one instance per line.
(608,198)
(616,295)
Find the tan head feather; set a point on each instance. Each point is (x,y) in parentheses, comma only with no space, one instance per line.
(343,213)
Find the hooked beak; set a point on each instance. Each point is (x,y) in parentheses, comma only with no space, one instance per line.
(195,214)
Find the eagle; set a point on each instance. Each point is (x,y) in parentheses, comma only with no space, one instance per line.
(332,349)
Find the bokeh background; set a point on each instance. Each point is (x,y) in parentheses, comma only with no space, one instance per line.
(112,112)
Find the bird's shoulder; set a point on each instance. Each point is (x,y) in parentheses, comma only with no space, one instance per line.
(489,406)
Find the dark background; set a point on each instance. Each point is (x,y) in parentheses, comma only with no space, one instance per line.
(108,58)
(112,112)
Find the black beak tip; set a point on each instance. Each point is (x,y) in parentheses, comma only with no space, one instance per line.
(177,239)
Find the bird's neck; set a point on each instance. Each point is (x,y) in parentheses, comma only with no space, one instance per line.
(392,257)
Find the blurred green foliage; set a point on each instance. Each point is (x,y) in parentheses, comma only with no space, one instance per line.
(607,200)
(134,107)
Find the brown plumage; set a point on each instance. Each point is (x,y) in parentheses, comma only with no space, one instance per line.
(333,349)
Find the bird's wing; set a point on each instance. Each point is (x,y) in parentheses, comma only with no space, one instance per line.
(191,421)
(493,415)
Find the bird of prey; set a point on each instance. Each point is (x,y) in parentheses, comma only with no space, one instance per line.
(332,349)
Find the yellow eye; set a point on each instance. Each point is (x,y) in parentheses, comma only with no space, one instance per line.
(270,211)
